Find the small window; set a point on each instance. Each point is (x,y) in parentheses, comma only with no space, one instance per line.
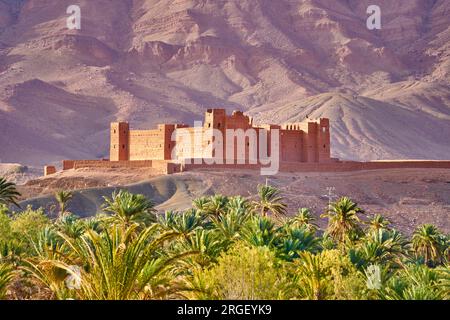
(324,145)
(218,126)
(123,146)
(114,130)
(324,129)
(209,125)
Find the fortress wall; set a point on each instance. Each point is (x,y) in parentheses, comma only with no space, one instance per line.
(296,145)
(405,164)
(331,166)
(291,144)
(354,166)
(192,142)
(166,167)
(48,170)
(77,164)
(146,144)
(239,145)
(158,166)
(68,164)
(189,167)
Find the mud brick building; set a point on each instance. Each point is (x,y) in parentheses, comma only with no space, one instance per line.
(298,142)
(172,148)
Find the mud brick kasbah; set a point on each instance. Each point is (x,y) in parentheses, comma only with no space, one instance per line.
(303,146)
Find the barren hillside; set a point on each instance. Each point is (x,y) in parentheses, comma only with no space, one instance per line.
(148,61)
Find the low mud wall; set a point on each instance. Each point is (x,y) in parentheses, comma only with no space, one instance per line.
(159,166)
(167,167)
(329,167)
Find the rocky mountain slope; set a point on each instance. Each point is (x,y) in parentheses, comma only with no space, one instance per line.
(148,61)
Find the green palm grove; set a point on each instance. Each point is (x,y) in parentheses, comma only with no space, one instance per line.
(221,248)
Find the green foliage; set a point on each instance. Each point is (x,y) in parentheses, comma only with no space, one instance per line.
(6,275)
(26,225)
(182,222)
(380,246)
(118,264)
(304,219)
(128,208)
(8,193)
(221,248)
(378,222)
(343,220)
(63,198)
(243,273)
(269,201)
(429,243)
(415,282)
(5,225)
(207,243)
(260,231)
(294,240)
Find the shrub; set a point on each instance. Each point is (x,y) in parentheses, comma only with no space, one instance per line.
(243,273)
(5,225)
(26,225)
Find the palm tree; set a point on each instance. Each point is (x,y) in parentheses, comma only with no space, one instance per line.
(8,193)
(201,204)
(207,243)
(118,264)
(378,222)
(182,222)
(230,225)
(296,240)
(71,225)
(415,282)
(269,201)
(305,219)
(63,198)
(260,231)
(343,220)
(382,247)
(127,208)
(217,206)
(312,276)
(49,249)
(429,243)
(239,205)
